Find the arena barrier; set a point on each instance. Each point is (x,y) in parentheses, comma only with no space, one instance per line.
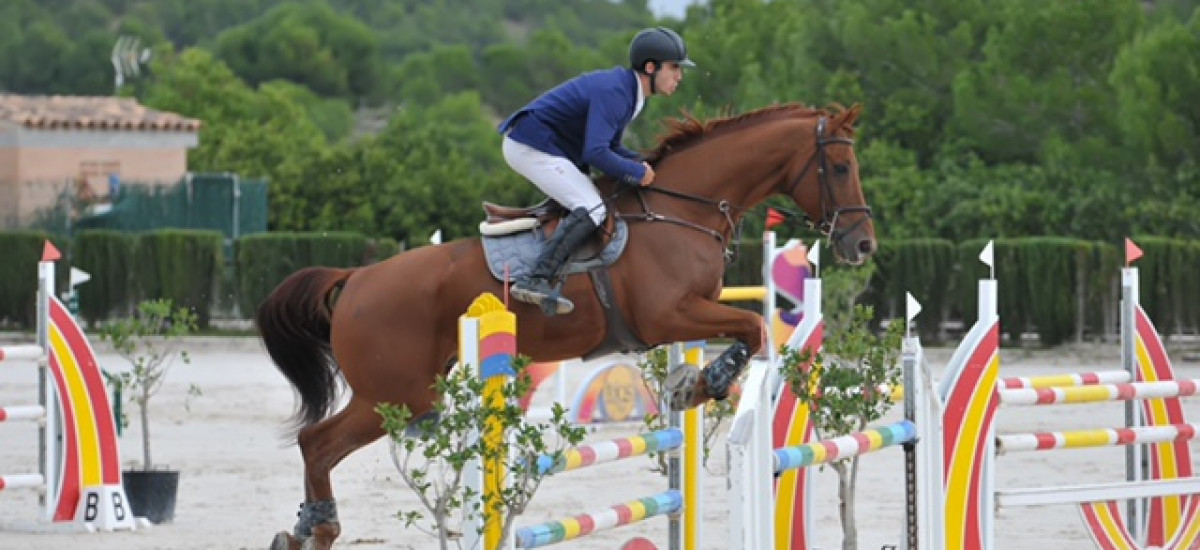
(487,341)
(770,445)
(79,475)
(952,489)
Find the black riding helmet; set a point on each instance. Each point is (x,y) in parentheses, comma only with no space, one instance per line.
(659,45)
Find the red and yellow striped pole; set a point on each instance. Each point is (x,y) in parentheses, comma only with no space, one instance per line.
(488,341)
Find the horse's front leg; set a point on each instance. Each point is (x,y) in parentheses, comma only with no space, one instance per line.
(688,386)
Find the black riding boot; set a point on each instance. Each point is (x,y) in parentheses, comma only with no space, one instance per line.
(535,288)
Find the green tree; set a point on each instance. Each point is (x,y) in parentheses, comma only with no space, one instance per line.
(426,171)
(1044,73)
(251,132)
(306,43)
(1157,82)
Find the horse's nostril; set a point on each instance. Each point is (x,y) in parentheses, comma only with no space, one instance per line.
(866,246)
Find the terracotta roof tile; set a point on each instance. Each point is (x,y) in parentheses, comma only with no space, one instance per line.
(92,113)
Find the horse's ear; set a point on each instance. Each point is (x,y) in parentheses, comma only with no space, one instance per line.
(847,118)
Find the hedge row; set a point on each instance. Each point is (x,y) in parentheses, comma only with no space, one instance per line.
(1059,288)
(186,266)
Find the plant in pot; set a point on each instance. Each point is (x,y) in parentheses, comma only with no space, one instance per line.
(150,341)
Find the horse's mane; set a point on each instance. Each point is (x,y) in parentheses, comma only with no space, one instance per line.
(680,133)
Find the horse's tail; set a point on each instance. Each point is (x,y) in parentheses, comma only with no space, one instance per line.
(294,323)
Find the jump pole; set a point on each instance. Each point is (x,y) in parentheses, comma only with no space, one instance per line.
(78,453)
(487,343)
(960,490)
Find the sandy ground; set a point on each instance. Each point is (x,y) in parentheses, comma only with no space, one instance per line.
(241,482)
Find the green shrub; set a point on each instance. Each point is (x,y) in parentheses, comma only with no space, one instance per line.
(182,265)
(108,256)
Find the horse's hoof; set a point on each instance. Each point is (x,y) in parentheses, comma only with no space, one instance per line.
(681,386)
(285,541)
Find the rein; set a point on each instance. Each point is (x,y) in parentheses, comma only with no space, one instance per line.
(829,210)
(730,244)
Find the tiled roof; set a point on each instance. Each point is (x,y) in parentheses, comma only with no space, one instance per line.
(90,113)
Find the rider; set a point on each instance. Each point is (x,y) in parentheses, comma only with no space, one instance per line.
(554,139)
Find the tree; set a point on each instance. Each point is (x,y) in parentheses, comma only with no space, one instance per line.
(306,43)
(846,384)
(426,171)
(1157,81)
(256,133)
(150,342)
(1044,73)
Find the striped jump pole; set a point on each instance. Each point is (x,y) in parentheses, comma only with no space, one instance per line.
(1155,436)
(830,450)
(22,412)
(78,451)
(743,294)
(1078,439)
(553,532)
(28,352)
(1064,380)
(16,481)
(610,451)
(487,343)
(1100,393)
(769,509)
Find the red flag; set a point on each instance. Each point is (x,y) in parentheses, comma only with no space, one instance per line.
(1132,252)
(50,253)
(774,217)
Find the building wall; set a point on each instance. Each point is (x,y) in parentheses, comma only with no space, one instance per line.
(141,165)
(36,166)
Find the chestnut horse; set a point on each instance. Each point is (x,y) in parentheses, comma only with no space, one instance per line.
(392,328)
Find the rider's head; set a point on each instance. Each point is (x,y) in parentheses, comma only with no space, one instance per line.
(661,54)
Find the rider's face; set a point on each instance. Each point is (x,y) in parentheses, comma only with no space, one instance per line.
(668,76)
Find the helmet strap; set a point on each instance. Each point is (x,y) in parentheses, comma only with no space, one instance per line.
(653,80)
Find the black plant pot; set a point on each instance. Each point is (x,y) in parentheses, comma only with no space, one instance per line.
(151,493)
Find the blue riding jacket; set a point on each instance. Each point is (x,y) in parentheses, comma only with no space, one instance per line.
(583,120)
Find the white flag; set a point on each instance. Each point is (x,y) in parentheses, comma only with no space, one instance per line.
(436,238)
(79,276)
(912,306)
(814,253)
(986,256)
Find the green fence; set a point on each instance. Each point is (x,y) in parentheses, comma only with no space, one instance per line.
(218,202)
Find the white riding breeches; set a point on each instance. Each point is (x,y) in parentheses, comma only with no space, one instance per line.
(556,176)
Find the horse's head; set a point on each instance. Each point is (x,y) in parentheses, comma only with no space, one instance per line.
(735,163)
(823,181)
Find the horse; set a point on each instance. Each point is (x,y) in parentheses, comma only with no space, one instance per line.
(391,328)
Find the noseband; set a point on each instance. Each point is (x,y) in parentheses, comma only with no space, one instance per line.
(829,208)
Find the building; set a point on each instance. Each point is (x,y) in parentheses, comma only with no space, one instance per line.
(61,154)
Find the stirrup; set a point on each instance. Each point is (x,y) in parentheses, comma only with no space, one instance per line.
(549,299)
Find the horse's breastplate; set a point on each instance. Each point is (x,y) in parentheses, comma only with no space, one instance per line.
(514,255)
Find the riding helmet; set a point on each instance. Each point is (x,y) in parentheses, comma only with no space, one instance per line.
(658,44)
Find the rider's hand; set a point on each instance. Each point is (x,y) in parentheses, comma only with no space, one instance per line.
(648,178)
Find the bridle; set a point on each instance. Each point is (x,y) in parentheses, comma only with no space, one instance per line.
(830,211)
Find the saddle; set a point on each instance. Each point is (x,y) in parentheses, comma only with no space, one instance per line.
(513,237)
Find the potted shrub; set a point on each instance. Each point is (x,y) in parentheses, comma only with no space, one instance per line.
(150,341)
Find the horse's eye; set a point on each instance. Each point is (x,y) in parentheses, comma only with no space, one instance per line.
(841,169)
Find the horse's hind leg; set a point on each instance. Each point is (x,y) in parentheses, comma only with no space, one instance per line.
(323,446)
